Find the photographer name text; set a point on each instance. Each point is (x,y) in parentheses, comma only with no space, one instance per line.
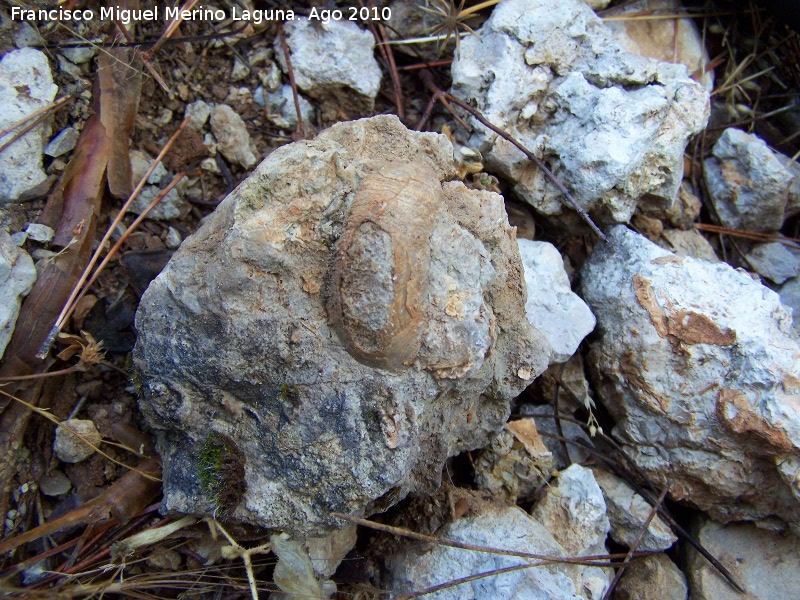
(126,15)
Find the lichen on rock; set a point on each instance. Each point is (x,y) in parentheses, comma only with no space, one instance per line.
(349,317)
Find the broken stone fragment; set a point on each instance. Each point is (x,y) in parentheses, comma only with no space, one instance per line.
(17,276)
(612,125)
(347,319)
(653,577)
(697,364)
(70,448)
(233,139)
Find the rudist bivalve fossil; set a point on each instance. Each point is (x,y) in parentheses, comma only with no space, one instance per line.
(348,318)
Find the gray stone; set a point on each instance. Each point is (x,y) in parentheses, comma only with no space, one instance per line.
(612,125)
(198,113)
(68,68)
(697,364)
(766,563)
(240,71)
(27,35)
(39,233)
(54,484)
(79,55)
(552,307)
(790,298)
(17,276)
(793,202)
(688,242)
(140,163)
(628,511)
(26,85)
(748,186)
(233,139)
(652,578)
(172,206)
(259,332)
(333,62)
(774,261)
(70,448)
(282,112)
(415,567)
(62,143)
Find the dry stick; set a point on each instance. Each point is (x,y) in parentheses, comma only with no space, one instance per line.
(69,304)
(650,516)
(299,132)
(427,78)
(467,579)
(45,109)
(123,238)
(174,24)
(388,55)
(427,65)
(145,59)
(589,561)
(743,233)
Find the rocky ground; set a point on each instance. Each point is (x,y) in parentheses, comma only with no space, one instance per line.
(502,314)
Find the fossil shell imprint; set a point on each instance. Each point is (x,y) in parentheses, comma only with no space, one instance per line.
(380,272)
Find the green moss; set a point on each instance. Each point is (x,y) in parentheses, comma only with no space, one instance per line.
(133,375)
(289,394)
(221,472)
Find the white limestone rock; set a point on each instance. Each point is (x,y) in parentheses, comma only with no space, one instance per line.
(697,364)
(748,185)
(26,85)
(612,125)
(233,139)
(17,276)
(552,307)
(333,62)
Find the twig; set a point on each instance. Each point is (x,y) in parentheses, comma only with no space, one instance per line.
(174,24)
(467,579)
(427,77)
(53,106)
(145,58)
(650,516)
(748,235)
(388,55)
(299,132)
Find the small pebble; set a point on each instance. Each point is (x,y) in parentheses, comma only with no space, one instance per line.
(71,449)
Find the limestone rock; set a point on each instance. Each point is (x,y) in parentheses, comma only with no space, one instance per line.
(198,113)
(333,62)
(552,307)
(26,85)
(233,139)
(611,124)
(653,577)
(68,447)
(696,363)
(793,203)
(260,342)
(790,298)
(17,276)
(688,242)
(774,261)
(628,511)
(748,186)
(515,463)
(664,39)
(63,142)
(282,111)
(416,567)
(766,563)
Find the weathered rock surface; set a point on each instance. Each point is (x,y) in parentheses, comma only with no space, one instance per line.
(339,326)
(748,185)
(653,577)
(26,85)
(697,364)
(282,111)
(774,261)
(790,298)
(233,139)
(515,463)
(17,276)
(667,40)
(416,567)
(627,511)
(688,242)
(552,307)
(333,62)
(766,563)
(63,142)
(70,448)
(613,125)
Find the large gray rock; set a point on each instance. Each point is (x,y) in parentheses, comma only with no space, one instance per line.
(416,566)
(26,85)
(613,125)
(697,364)
(552,307)
(748,185)
(346,320)
(17,276)
(333,62)
(766,563)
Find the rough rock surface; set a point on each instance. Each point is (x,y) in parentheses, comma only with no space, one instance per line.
(282,111)
(26,85)
(697,364)
(258,338)
(790,298)
(333,62)
(774,261)
(17,276)
(552,307)
(628,511)
(748,185)
(766,563)
(233,139)
(652,578)
(613,125)
(688,242)
(417,567)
